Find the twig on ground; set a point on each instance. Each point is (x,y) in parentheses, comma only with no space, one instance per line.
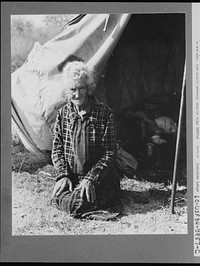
(181,199)
(21,164)
(45,175)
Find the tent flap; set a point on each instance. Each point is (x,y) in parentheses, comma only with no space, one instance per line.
(37,89)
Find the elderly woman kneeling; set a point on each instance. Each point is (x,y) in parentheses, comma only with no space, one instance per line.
(84,147)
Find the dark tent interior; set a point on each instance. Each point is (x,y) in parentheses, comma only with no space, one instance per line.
(142,82)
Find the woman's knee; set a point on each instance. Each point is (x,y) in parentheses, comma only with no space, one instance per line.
(69,202)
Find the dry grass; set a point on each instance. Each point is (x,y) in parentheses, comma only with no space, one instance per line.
(145,205)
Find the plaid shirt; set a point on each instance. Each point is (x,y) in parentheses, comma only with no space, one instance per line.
(102,141)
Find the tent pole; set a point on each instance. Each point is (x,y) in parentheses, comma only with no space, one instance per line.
(178,142)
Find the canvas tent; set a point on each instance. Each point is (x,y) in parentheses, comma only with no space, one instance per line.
(37,87)
(137,56)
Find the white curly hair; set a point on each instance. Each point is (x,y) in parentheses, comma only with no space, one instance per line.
(75,71)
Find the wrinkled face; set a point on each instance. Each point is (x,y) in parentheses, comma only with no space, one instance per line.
(78,93)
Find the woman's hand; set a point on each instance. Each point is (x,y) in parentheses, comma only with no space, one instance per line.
(88,189)
(60,185)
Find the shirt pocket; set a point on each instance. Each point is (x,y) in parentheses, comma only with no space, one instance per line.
(96,132)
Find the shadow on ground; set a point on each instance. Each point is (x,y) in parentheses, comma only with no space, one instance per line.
(149,201)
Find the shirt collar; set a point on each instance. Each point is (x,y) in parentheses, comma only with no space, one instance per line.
(92,115)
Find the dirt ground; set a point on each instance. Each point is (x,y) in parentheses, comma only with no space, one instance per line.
(146,203)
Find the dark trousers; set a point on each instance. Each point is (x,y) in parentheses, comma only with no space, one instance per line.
(107,195)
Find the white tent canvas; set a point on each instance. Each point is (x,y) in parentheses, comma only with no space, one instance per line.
(37,89)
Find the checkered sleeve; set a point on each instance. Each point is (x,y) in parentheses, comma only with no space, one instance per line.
(101,169)
(57,154)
